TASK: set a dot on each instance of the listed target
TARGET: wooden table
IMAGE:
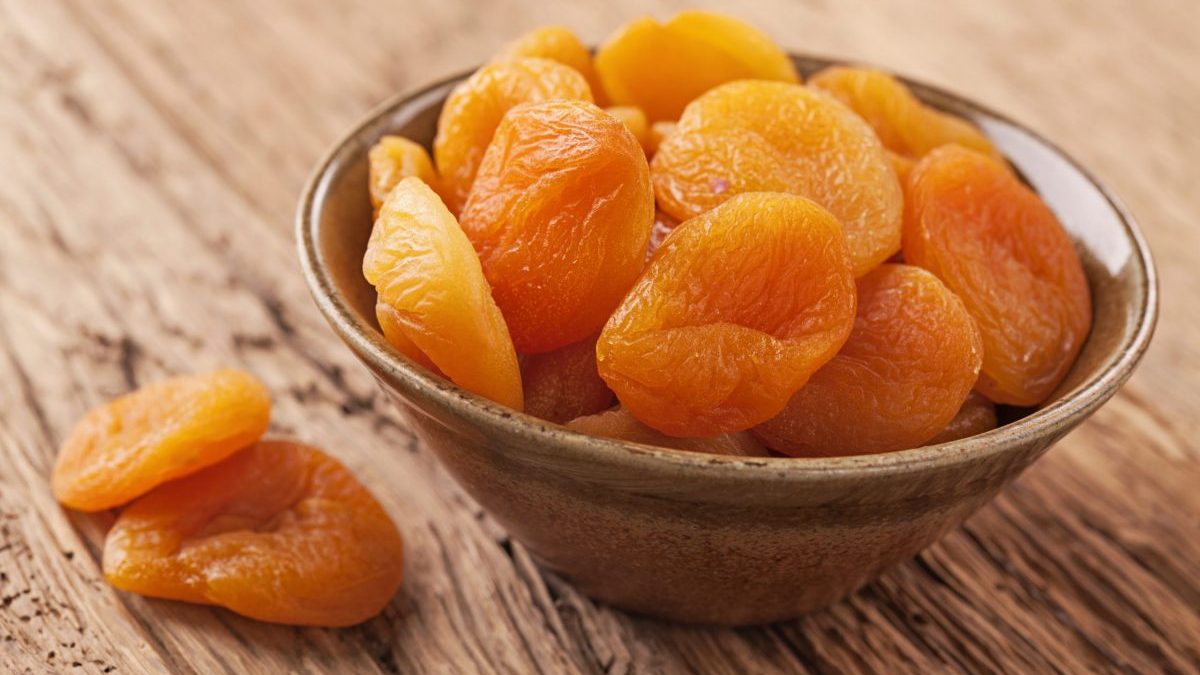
(151, 159)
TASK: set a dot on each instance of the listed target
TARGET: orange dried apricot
(734, 312)
(976, 416)
(162, 431)
(661, 67)
(560, 44)
(394, 158)
(903, 123)
(623, 426)
(997, 245)
(560, 215)
(423, 266)
(564, 384)
(474, 109)
(279, 532)
(778, 137)
(910, 362)
(635, 120)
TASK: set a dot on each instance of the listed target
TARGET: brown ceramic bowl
(714, 539)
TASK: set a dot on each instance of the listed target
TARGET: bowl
(714, 539)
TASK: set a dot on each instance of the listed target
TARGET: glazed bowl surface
(714, 539)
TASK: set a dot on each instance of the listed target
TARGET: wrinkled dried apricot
(903, 123)
(910, 362)
(394, 158)
(279, 532)
(778, 137)
(635, 120)
(474, 109)
(564, 384)
(560, 215)
(162, 431)
(623, 426)
(734, 312)
(423, 266)
(662, 67)
(997, 245)
(560, 44)
(976, 416)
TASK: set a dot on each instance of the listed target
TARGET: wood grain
(151, 156)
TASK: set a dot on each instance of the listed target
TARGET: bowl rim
(493, 419)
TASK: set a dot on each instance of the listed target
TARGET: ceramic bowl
(714, 539)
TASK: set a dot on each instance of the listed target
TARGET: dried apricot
(394, 158)
(423, 267)
(734, 312)
(474, 109)
(661, 67)
(162, 431)
(560, 44)
(779, 137)
(560, 215)
(635, 120)
(564, 384)
(976, 416)
(279, 532)
(996, 244)
(903, 123)
(623, 426)
(910, 362)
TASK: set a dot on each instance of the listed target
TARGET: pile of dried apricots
(213, 514)
(745, 262)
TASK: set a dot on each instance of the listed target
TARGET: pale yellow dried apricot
(423, 267)
(394, 158)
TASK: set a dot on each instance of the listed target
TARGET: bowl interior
(334, 224)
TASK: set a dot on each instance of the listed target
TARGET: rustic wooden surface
(151, 155)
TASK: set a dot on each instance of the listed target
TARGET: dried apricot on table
(997, 245)
(661, 67)
(560, 44)
(474, 109)
(910, 362)
(564, 384)
(394, 158)
(903, 123)
(279, 532)
(623, 426)
(560, 215)
(976, 416)
(734, 312)
(162, 431)
(423, 267)
(778, 137)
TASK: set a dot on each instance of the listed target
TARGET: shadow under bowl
(714, 539)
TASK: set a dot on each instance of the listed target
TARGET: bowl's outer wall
(719, 540)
